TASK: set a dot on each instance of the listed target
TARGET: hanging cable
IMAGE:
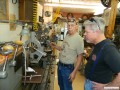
(14, 1)
(35, 25)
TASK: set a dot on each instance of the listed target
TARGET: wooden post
(113, 12)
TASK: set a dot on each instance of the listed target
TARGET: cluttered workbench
(27, 65)
(10, 69)
(17, 74)
(39, 77)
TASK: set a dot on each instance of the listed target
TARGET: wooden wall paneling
(21, 9)
(25, 10)
(29, 10)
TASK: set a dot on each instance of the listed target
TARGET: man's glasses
(93, 20)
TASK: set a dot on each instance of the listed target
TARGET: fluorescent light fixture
(74, 2)
(118, 5)
(99, 10)
(71, 5)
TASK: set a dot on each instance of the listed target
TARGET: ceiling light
(72, 5)
(99, 10)
(118, 5)
(74, 2)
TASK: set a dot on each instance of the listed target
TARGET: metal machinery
(38, 60)
(38, 56)
(10, 67)
(35, 48)
(31, 67)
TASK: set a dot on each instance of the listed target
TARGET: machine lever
(13, 62)
(3, 73)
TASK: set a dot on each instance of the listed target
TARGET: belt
(66, 65)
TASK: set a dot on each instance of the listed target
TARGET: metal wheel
(106, 3)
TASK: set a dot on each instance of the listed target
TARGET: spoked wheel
(106, 3)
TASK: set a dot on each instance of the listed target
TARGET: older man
(71, 49)
(104, 60)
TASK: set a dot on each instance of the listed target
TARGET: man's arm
(53, 45)
(78, 63)
(114, 84)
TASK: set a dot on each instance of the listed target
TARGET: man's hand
(72, 77)
(98, 86)
(52, 44)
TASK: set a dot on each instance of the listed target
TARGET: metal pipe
(4, 67)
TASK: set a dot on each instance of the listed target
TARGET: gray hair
(96, 23)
